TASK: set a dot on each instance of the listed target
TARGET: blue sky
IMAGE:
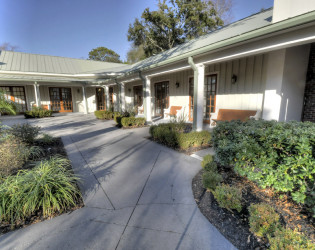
(71, 28)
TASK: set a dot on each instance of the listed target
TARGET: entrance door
(210, 90)
(111, 98)
(161, 98)
(60, 99)
(100, 99)
(138, 96)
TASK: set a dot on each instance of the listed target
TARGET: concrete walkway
(137, 194)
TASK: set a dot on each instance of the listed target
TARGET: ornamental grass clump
(263, 219)
(49, 187)
(228, 197)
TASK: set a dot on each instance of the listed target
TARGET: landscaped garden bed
(258, 190)
(180, 136)
(36, 178)
(38, 112)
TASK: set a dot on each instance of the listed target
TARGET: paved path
(137, 194)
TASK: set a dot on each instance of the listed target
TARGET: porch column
(147, 98)
(199, 82)
(106, 96)
(122, 97)
(37, 94)
(85, 105)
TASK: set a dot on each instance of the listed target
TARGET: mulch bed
(235, 226)
(49, 150)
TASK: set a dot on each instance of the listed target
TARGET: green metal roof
(25, 62)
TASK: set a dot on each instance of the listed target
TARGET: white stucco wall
(284, 9)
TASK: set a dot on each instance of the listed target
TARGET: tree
(104, 54)
(175, 22)
(8, 46)
(135, 54)
(5, 106)
(224, 10)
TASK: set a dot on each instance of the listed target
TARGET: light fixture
(177, 84)
(234, 79)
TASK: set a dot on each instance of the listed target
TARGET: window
(16, 95)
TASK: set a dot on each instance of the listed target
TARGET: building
(264, 62)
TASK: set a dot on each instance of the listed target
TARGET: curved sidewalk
(137, 194)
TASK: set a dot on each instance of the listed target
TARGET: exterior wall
(309, 96)
(129, 95)
(285, 83)
(245, 94)
(284, 9)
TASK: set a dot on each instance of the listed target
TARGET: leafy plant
(5, 105)
(47, 139)
(228, 197)
(273, 154)
(289, 239)
(132, 122)
(206, 159)
(25, 132)
(263, 219)
(38, 112)
(49, 187)
(211, 180)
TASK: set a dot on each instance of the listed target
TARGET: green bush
(25, 132)
(273, 154)
(263, 219)
(228, 197)
(104, 115)
(169, 134)
(289, 239)
(211, 180)
(132, 122)
(206, 159)
(47, 139)
(38, 112)
(50, 187)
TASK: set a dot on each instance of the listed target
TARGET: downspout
(195, 69)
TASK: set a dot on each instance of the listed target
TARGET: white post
(147, 96)
(85, 106)
(106, 97)
(122, 97)
(37, 94)
(199, 82)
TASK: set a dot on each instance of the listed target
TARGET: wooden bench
(172, 111)
(233, 114)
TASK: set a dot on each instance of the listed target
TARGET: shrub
(13, 155)
(289, 239)
(211, 180)
(25, 132)
(273, 154)
(38, 112)
(263, 219)
(132, 122)
(182, 140)
(49, 187)
(206, 159)
(47, 139)
(228, 197)
(104, 115)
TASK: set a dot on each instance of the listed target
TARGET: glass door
(16, 95)
(100, 99)
(210, 91)
(60, 99)
(161, 98)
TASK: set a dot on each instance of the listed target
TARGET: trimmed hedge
(132, 122)
(38, 113)
(273, 154)
(169, 135)
(104, 115)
